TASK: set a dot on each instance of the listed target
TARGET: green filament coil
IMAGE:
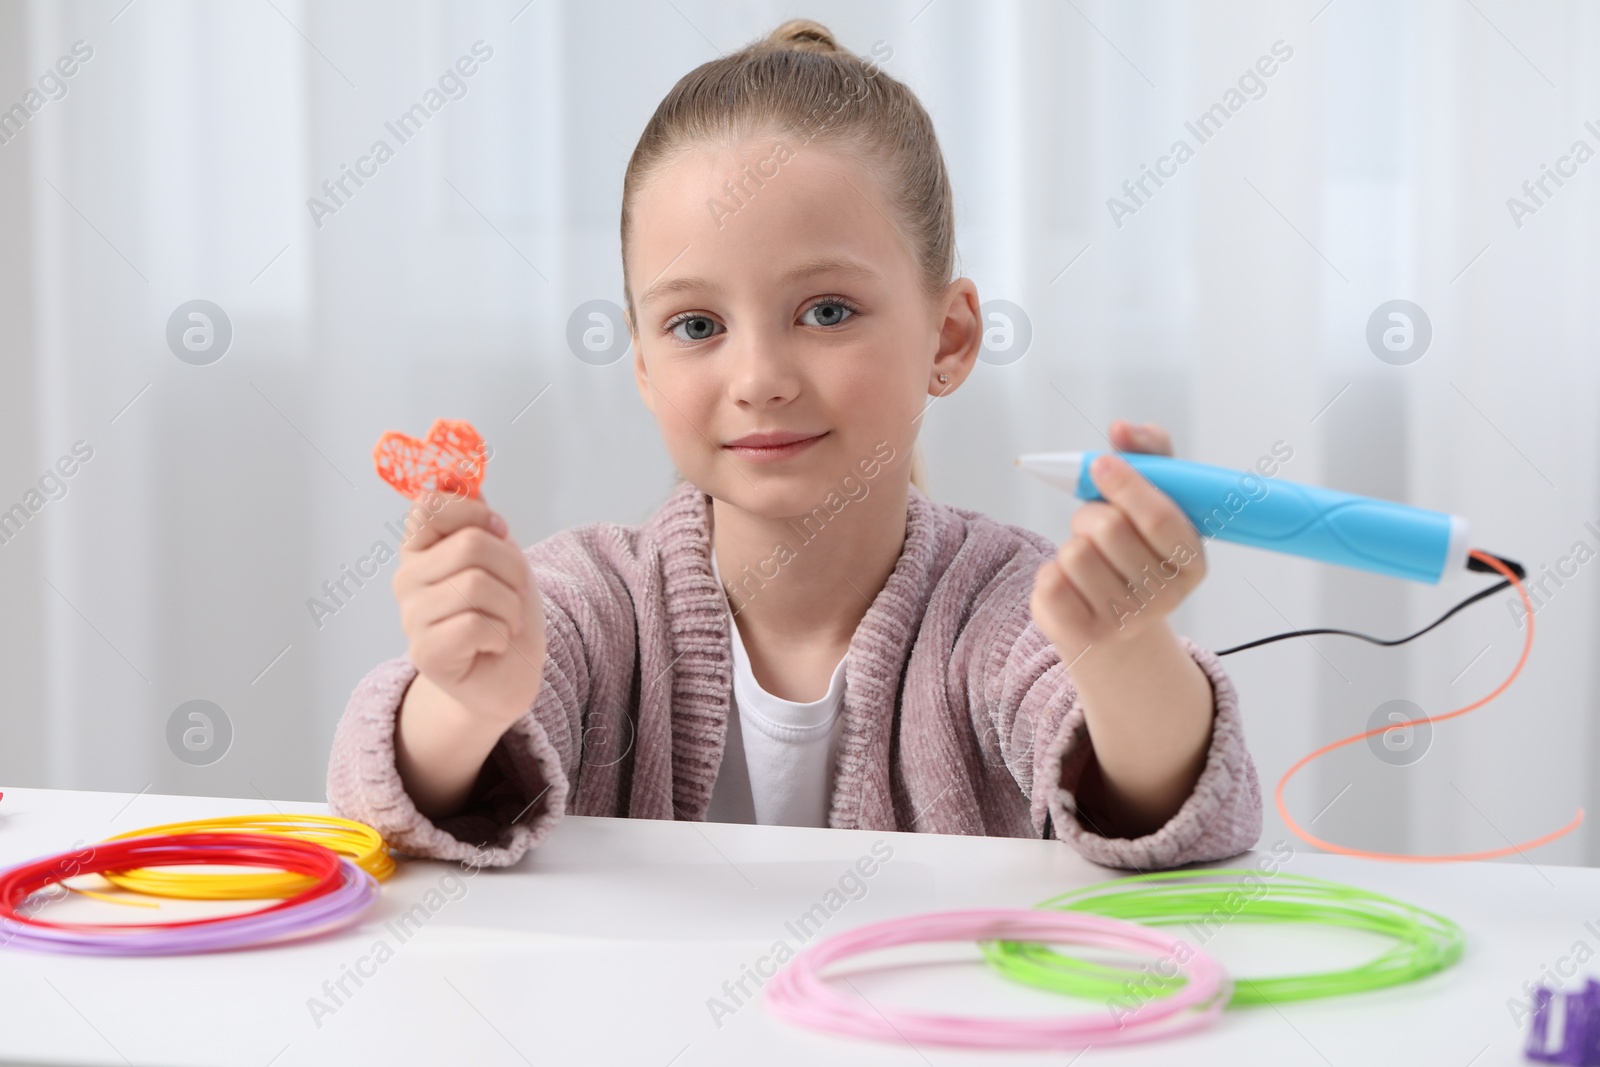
(1206, 900)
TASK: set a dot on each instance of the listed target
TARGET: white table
(605, 944)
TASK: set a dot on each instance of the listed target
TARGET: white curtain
(1230, 302)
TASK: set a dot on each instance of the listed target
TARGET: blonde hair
(798, 81)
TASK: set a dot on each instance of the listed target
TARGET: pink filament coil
(800, 994)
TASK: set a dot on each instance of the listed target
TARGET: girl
(799, 635)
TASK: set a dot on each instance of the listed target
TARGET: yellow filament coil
(360, 842)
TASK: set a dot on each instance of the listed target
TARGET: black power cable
(1473, 564)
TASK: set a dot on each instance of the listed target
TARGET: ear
(641, 375)
(960, 335)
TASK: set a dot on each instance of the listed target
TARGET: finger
(458, 639)
(470, 590)
(435, 516)
(1056, 600)
(1158, 519)
(1141, 437)
(1100, 584)
(470, 547)
(1124, 548)
(1155, 438)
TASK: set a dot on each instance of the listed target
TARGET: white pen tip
(1058, 468)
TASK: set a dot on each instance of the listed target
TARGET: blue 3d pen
(1321, 524)
(1302, 520)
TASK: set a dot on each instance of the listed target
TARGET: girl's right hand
(472, 612)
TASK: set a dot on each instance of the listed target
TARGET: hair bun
(803, 35)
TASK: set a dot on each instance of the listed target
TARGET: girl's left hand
(1131, 560)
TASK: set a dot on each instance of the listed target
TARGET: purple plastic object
(1580, 1041)
(323, 914)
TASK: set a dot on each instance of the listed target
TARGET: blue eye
(694, 328)
(827, 313)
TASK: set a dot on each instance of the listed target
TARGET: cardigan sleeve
(523, 788)
(1222, 816)
(1035, 716)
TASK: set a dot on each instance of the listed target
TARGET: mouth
(769, 447)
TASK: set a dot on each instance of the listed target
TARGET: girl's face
(793, 309)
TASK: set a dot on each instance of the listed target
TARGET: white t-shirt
(777, 764)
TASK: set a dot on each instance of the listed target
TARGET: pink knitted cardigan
(959, 716)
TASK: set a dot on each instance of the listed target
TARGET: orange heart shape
(452, 459)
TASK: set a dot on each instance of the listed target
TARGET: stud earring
(943, 378)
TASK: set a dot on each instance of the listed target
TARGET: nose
(760, 371)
